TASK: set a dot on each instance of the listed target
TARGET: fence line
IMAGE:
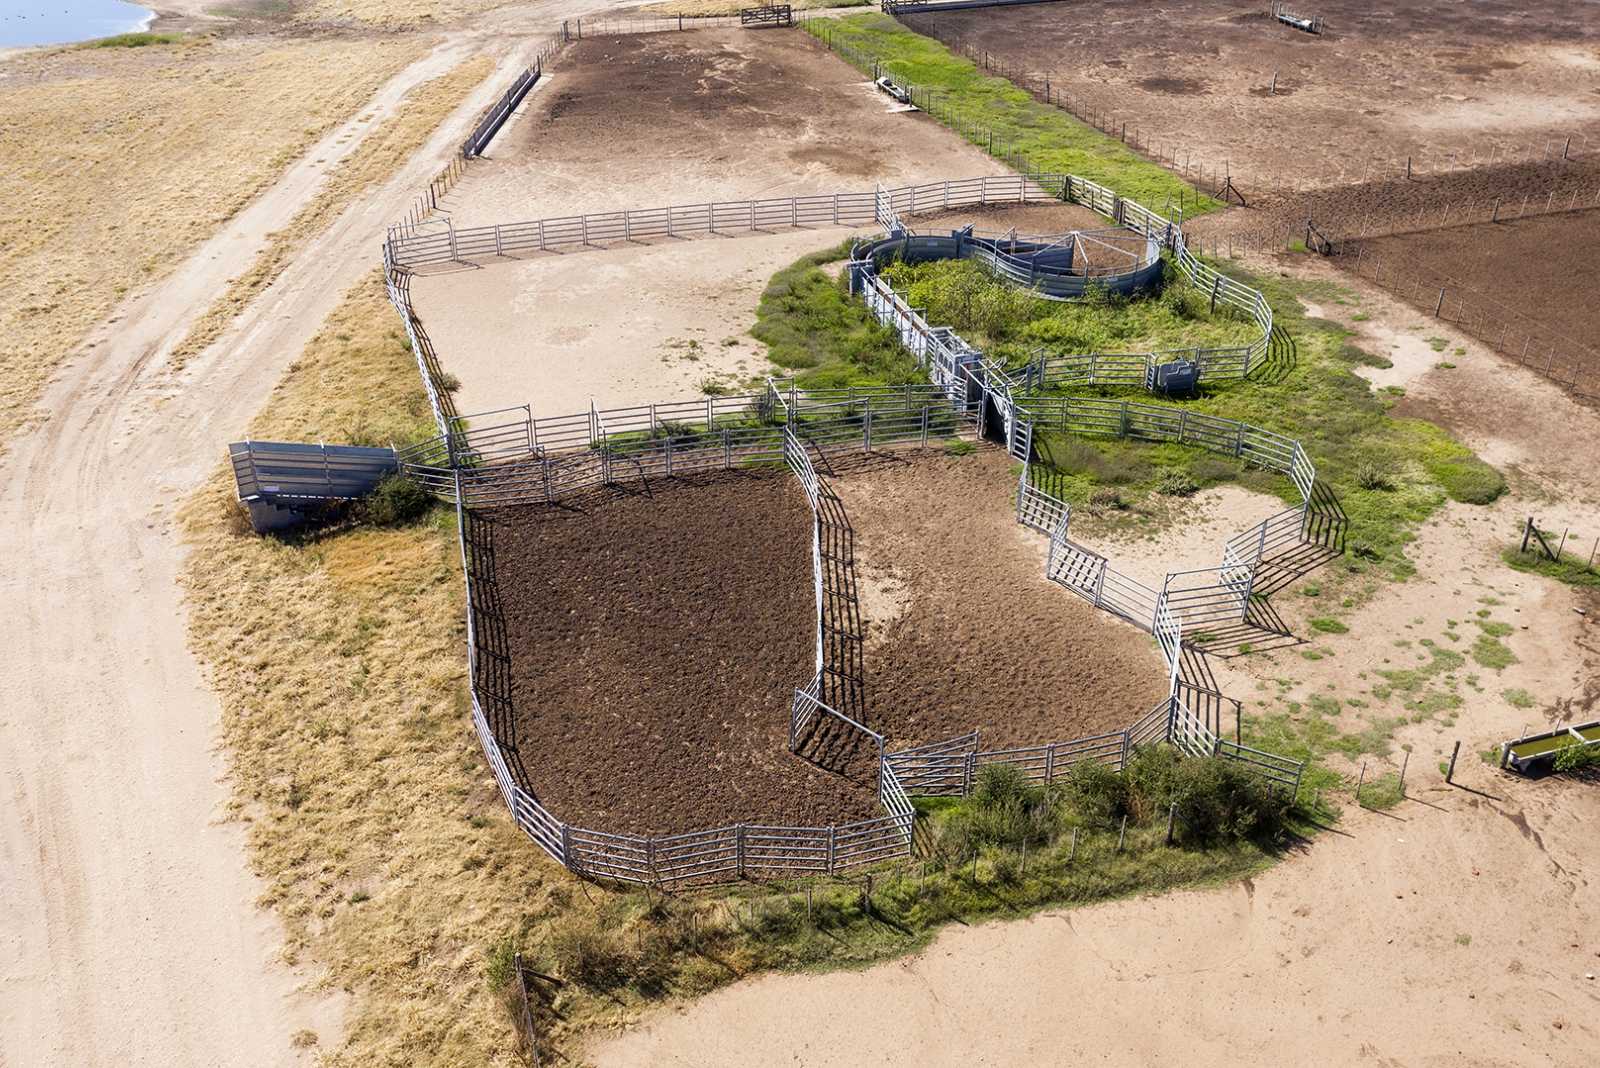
(409, 246)
(1563, 360)
(1170, 150)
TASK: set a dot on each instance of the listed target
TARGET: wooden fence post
(1449, 775)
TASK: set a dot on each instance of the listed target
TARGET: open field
(707, 115)
(1445, 82)
(88, 220)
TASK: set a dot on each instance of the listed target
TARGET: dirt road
(128, 933)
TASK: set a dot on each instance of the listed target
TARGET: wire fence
(1172, 149)
(1564, 360)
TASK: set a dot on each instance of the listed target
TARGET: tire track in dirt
(130, 934)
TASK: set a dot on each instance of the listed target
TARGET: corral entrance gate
(766, 15)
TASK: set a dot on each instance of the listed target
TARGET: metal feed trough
(1308, 23)
(1536, 753)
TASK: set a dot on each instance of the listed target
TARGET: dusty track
(130, 932)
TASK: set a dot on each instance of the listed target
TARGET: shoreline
(175, 17)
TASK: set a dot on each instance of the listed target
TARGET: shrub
(1095, 793)
(1578, 757)
(1175, 482)
(1004, 809)
(1370, 475)
(1469, 480)
(395, 501)
(1106, 500)
(1220, 799)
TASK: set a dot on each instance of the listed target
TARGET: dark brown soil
(962, 629)
(1526, 286)
(647, 120)
(1395, 203)
(1437, 79)
(655, 640)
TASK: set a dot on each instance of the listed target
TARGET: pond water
(39, 22)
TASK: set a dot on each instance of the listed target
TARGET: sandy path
(1402, 941)
(127, 932)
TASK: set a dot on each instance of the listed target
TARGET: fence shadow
(492, 666)
(1281, 358)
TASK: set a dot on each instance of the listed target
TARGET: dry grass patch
(380, 154)
(340, 665)
(404, 14)
(118, 162)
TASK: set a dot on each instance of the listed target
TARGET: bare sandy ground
(640, 323)
(1458, 930)
(621, 326)
(130, 935)
(708, 115)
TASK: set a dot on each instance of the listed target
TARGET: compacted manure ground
(1431, 79)
(656, 636)
(962, 630)
(647, 120)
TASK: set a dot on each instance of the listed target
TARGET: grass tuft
(133, 40)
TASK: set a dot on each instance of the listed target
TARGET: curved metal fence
(510, 457)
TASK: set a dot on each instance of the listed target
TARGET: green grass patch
(813, 328)
(1518, 698)
(1011, 325)
(970, 101)
(133, 40)
(1571, 571)
(1329, 626)
(1491, 652)
(1383, 792)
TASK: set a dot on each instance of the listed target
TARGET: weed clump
(1176, 483)
(396, 501)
